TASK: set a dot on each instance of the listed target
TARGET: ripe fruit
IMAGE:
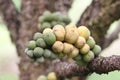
(47, 53)
(67, 48)
(42, 77)
(41, 43)
(37, 35)
(85, 49)
(38, 52)
(80, 42)
(91, 42)
(88, 57)
(31, 44)
(74, 53)
(57, 46)
(71, 35)
(96, 49)
(84, 32)
(30, 53)
(40, 60)
(52, 76)
(47, 30)
(59, 32)
(44, 26)
(49, 38)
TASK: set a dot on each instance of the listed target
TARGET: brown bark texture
(99, 16)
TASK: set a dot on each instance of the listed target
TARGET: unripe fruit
(44, 26)
(59, 32)
(47, 53)
(53, 56)
(84, 32)
(85, 49)
(61, 55)
(46, 13)
(57, 46)
(96, 49)
(41, 43)
(52, 76)
(80, 42)
(77, 58)
(49, 38)
(47, 30)
(88, 57)
(42, 77)
(56, 15)
(31, 44)
(38, 52)
(37, 35)
(66, 19)
(81, 62)
(48, 17)
(91, 42)
(53, 23)
(30, 53)
(71, 35)
(67, 48)
(74, 53)
(40, 60)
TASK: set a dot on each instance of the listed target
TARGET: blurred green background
(9, 59)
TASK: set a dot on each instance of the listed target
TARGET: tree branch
(99, 65)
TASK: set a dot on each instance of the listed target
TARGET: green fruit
(46, 13)
(37, 35)
(88, 57)
(57, 46)
(47, 53)
(41, 19)
(38, 52)
(91, 42)
(52, 76)
(66, 19)
(30, 53)
(53, 23)
(41, 43)
(42, 77)
(49, 38)
(48, 17)
(40, 60)
(85, 49)
(81, 62)
(79, 57)
(31, 44)
(44, 26)
(56, 15)
(53, 56)
(61, 54)
(96, 49)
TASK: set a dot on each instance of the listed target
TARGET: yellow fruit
(83, 31)
(71, 35)
(57, 46)
(47, 30)
(85, 49)
(52, 76)
(68, 48)
(80, 42)
(59, 32)
(74, 53)
(74, 78)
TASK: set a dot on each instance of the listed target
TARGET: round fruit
(85, 49)
(47, 30)
(41, 19)
(31, 44)
(96, 49)
(74, 53)
(41, 43)
(37, 35)
(46, 13)
(71, 35)
(68, 48)
(56, 15)
(80, 42)
(52, 76)
(42, 77)
(38, 52)
(53, 55)
(77, 58)
(81, 62)
(59, 32)
(30, 53)
(53, 23)
(88, 57)
(48, 17)
(57, 46)
(40, 60)
(91, 42)
(44, 26)
(47, 53)
(49, 38)
(84, 32)
(61, 54)
(66, 19)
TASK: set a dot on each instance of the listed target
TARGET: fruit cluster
(48, 20)
(74, 42)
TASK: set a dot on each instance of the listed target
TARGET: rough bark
(98, 17)
(99, 65)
